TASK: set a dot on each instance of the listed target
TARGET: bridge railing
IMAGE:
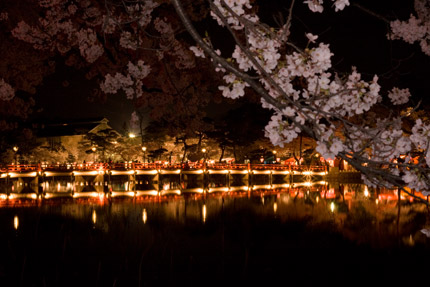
(21, 167)
(158, 166)
(313, 168)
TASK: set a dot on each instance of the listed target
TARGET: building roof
(71, 127)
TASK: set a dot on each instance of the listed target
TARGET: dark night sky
(67, 95)
(355, 38)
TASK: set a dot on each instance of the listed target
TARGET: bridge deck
(136, 166)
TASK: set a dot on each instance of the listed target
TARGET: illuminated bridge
(144, 179)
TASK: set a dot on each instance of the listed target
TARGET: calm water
(335, 234)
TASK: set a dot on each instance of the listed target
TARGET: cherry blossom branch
(248, 53)
(370, 12)
(371, 172)
(190, 28)
(290, 18)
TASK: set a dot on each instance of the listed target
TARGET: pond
(307, 235)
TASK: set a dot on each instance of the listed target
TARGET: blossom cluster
(4, 16)
(198, 52)
(235, 89)
(317, 5)
(89, 46)
(279, 131)
(171, 46)
(6, 91)
(131, 83)
(136, 12)
(129, 40)
(56, 31)
(421, 138)
(311, 62)
(415, 29)
(399, 96)
(238, 8)
(329, 145)
(141, 11)
(389, 142)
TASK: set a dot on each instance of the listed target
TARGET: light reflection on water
(245, 232)
(15, 222)
(348, 208)
(144, 216)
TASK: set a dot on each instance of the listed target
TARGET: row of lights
(131, 135)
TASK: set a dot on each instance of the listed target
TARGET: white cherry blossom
(399, 96)
(7, 93)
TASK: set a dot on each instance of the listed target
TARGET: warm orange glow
(94, 216)
(93, 172)
(204, 213)
(217, 171)
(332, 207)
(15, 222)
(178, 171)
(275, 207)
(154, 171)
(119, 172)
(222, 189)
(366, 191)
(237, 171)
(172, 191)
(329, 194)
(144, 216)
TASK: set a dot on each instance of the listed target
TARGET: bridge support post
(40, 179)
(291, 181)
(181, 180)
(36, 183)
(270, 178)
(157, 179)
(8, 189)
(106, 182)
(246, 178)
(205, 179)
(134, 180)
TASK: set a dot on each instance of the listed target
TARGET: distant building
(68, 134)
